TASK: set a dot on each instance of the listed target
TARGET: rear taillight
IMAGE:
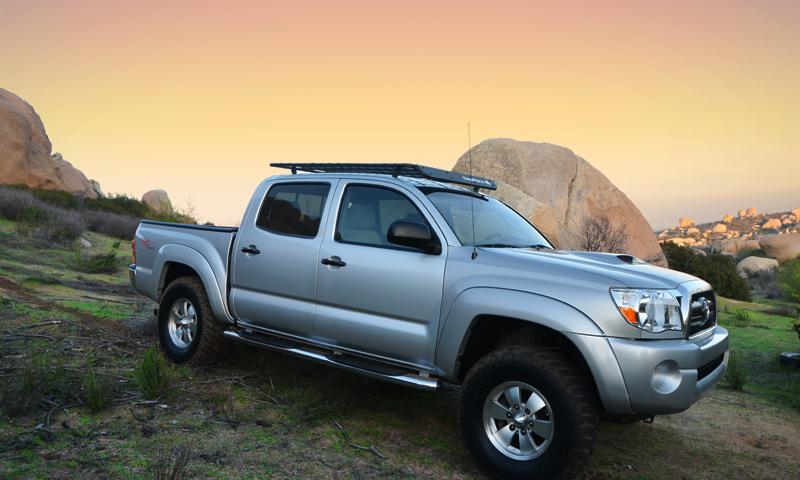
(133, 251)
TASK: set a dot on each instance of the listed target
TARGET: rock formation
(772, 224)
(25, 152)
(158, 201)
(685, 222)
(755, 264)
(557, 190)
(781, 247)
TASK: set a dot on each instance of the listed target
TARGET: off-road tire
(569, 395)
(209, 345)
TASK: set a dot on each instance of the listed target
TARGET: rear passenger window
(367, 213)
(293, 208)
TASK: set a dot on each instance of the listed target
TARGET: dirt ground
(263, 415)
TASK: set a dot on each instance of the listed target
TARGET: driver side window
(367, 212)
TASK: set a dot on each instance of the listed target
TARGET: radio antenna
(471, 200)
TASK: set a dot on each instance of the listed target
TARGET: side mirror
(414, 235)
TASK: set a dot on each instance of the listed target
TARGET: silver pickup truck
(411, 274)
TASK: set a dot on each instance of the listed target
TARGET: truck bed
(202, 247)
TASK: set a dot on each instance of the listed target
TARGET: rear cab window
(293, 208)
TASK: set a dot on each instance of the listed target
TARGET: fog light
(666, 377)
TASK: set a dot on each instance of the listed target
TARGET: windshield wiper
(538, 246)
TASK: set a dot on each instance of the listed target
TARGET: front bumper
(668, 376)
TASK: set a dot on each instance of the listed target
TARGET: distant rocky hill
(26, 157)
(558, 191)
(770, 235)
(26, 153)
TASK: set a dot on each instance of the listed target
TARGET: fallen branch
(56, 408)
(51, 322)
(371, 448)
(31, 335)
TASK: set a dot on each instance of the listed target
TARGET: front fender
(192, 258)
(548, 312)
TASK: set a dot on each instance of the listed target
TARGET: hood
(619, 269)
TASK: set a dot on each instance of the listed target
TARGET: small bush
(40, 377)
(153, 375)
(97, 389)
(789, 279)
(599, 235)
(741, 318)
(717, 269)
(37, 219)
(171, 464)
(97, 263)
(113, 224)
(735, 375)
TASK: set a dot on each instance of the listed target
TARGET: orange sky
(691, 108)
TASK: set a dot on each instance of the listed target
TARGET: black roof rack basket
(393, 169)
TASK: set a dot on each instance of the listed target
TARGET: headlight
(652, 310)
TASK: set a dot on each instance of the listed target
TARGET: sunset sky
(690, 107)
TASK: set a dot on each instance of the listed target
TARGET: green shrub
(170, 463)
(95, 263)
(153, 375)
(717, 269)
(97, 389)
(789, 279)
(741, 318)
(39, 377)
(735, 375)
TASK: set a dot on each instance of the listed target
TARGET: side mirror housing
(414, 235)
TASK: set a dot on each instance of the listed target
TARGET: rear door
(275, 259)
(385, 300)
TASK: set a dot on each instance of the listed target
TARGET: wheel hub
(182, 323)
(518, 420)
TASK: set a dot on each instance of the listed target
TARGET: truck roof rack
(393, 169)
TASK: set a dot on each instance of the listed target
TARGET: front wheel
(527, 413)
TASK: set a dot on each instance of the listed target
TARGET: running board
(349, 363)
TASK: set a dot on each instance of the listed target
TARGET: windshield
(496, 225)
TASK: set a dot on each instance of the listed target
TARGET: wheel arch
(175, 261)
(482, 319)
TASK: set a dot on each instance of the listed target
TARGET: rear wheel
(187, 329)
(527, 413)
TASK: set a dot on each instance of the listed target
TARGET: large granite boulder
(25, 152)
(158, 201)
(783, 247)
(558, 190)
(735, 245)
(751, 265)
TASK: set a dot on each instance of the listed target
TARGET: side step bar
(350, 363)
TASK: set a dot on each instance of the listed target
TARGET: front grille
(702, 312)
(709, 367)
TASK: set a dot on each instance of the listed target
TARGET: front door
(372, 296)
(275, 258)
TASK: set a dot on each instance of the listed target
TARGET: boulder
(783, 247)
(787, 221)
(720, 228)
(735, 245)
(84, 243)
(750, 265)
(796, 212)
(685, 222)
(752, 212)
(693, 231)
(771, 224)
(158, 201)
(742, 213)
(25, 152)
(557, 191)
(727, 218)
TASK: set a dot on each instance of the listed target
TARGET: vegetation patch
(153, 375)
(715, 268)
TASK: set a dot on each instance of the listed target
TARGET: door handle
(333, 261)
(251, 250)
